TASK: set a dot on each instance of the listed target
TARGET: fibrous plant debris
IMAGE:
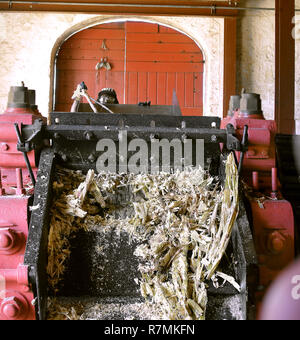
(183, 222)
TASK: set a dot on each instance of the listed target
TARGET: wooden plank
(142, 86)
(180, 88)
(159, 67)
(130, 7)
(114, 80)
(100, 80)
(96, 55)
(284, 67)
(132, 85)
(161, 88)
(152, 87)
(198, 90)
(189, 89)
(92, 33)
(94, 85)
(70, 79)
(158, 38)
(171, 86)
(161, 48)
(140, 27)
(229, 89)
(165, 29)
(79, 54)
(87, 65)
(93, 44)
(196, 57)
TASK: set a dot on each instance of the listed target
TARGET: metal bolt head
(214, 138)
(276, 242)
(91, 158)
(11, 307)
(89, 135)
(11, 310)
(5, 240)
(4, 147)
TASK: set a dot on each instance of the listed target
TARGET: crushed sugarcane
(183, 222)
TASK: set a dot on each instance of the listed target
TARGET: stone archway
(207, 33)
(143, 62)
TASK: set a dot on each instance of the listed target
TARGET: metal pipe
(19, 178)
(20, 141)
(61, 3)
(274, 180)
(255, 180)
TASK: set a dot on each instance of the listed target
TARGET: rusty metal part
(250, 106)
(234, 105)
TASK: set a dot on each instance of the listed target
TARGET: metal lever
(22, 148)
(244, 146)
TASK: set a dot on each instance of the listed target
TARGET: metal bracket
(233, 142)
(28, 145)
(244, 146)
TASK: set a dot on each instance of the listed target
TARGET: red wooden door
(148, 62)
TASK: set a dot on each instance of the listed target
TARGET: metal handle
(244, 146)
(21, 144)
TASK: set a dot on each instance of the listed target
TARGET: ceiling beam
(146, 7)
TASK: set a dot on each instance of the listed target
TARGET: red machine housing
(272, 216)
(16, 296)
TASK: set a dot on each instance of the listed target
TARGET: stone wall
(256, 55)
(29, 42)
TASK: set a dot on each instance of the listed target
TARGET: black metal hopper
(72, 139)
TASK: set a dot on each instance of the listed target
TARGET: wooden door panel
(171, 87)
(158, 61)
(141, 56)
(142, 86)
(198, 90)
(90, 44)
(141, 27)
(171, 60)
(152, 88)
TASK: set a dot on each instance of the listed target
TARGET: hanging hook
(103, 46)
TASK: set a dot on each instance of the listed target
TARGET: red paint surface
(148, 62)
(16, 294)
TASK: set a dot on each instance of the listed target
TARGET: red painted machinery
(16, 297)
(272, 216)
